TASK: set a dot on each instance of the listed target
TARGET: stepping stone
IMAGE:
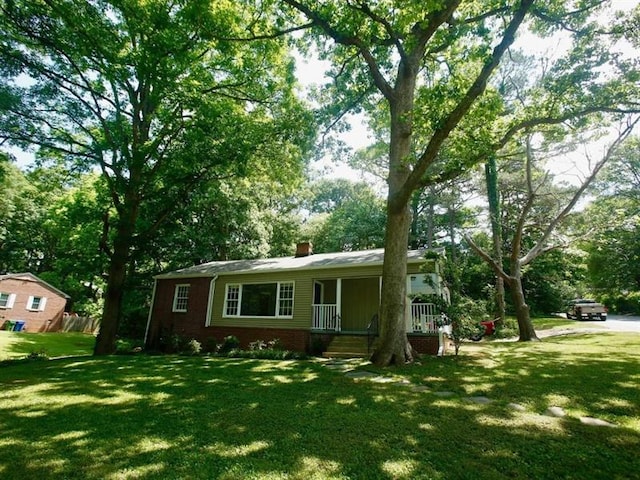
(556, 412)
(420, 388)
(383, 380)
(444, 394)
(596, 422)
(481, 400)
(360, 374)
(517, 407)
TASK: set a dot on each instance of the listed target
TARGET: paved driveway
(617, 323)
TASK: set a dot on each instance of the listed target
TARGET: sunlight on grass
(199, 417)
(315, 468)
(139, 472)
(151, 444)
(400, 468)
(224, 450)
(526, 421)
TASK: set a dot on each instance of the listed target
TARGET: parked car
(586, 309)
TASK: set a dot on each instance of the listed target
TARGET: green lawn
(197, 417)
(19, 344)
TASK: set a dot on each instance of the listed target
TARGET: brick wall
(50, 319)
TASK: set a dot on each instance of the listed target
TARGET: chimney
(304, 249)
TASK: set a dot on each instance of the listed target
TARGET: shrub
(229, 343)
(210, 345)
(38, 355)
(126, 346)
(508, 329)
(191, 347)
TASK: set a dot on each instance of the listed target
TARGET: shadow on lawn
(178, 417)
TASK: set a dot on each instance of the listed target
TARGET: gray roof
(283, 264)
(32, 278)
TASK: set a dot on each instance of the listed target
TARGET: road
(617, 323)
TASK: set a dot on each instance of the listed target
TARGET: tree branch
(453, 119)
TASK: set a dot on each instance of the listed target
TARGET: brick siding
(50, 319)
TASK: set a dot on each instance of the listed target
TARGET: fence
(72, 323)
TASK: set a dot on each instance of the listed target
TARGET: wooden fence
(72, 323)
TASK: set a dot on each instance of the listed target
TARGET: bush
(210, 345)
(465, 315)
(229, 343)
(508, 329)
(126, 346)
(266, 354)
(191, 347)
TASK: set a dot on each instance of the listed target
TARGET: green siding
(353, 294)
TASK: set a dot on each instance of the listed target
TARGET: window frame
(42, 303)
(235, 303)
(10, 300)
(179, 299)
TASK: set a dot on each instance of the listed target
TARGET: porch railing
(425, 318)
(325, 317)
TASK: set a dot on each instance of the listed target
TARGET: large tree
(427, 66)
(534, 226)
(153, 95)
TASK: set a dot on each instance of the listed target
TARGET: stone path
(348, 368)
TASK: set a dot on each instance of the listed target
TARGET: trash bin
(19, 326)
(9, 324)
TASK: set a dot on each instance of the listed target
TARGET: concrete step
(347, 346)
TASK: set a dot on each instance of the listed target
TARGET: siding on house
(25, 287)
(205, 317)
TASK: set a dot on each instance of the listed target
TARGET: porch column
(339, 301)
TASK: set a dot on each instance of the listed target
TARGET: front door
(360, 302)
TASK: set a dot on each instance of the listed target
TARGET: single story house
(28, 303)
(297, 299)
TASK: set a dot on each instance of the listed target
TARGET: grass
(19, 344)
(171, 417)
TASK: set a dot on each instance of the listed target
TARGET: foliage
(158, 97)
(612, 222)
(230, 342)
(350, 217)
(127, 346)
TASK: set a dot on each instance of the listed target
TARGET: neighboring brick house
(25, 297)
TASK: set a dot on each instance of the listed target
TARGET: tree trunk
(527, 333)
(117, 275)
(493, 195)
(394, 347)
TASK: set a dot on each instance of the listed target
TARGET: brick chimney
(304, 249)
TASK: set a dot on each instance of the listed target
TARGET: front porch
(421, 318)
(348, 306)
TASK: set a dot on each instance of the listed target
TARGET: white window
(259, 300)
(36, 304)
(181, 298)
(422, 283)
(7, 300)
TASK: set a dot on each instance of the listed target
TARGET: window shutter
(12, 299)
(30, 302)
(43, 303)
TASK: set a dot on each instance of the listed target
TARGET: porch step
(347, 346)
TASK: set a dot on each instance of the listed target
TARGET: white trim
(11, 298)
(178, 287)
(339, 297)
(42, 302)
(212, 289)
(240, 288)
(153, 301)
